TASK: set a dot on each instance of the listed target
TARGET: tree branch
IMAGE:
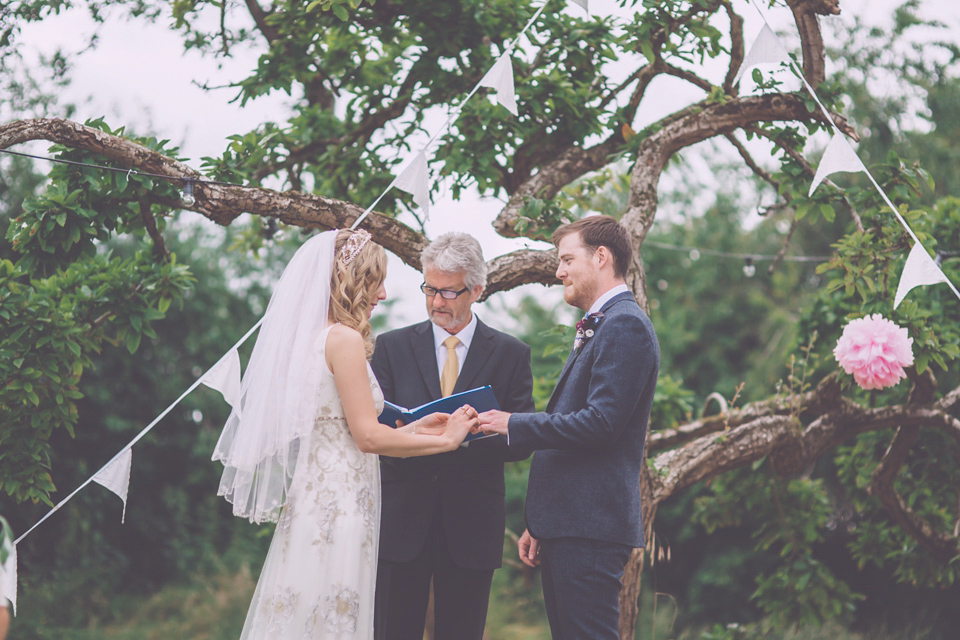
(748, 159)
(805, 14)
(736, 48)
(943, 546)
(689, 76)
(768, 429)
(360, 135)
(550, 179)
(524, 266)
(222, 203)
(150, 223)
(260, 19)
(808, 169)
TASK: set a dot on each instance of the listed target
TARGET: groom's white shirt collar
(602, 300)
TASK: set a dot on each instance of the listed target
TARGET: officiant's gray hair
(457, 252)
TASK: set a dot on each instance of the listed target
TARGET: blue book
(481, 399)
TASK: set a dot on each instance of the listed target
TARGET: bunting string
(415, 176)
(140, 435)
(841, 155)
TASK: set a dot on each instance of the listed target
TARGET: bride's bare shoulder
(342, 338)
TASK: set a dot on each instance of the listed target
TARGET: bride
(299, 448)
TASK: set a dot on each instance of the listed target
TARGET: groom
(443, 515)
(583, 498)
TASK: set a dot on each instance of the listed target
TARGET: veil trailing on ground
(261, 438)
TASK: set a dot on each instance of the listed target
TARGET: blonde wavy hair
(353, 286)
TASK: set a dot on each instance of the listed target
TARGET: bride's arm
(346, 357)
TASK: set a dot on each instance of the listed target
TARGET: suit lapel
(481, 348)
(563, 376)
(424, 350)
(626, 295)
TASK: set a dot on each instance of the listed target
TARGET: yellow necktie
(448, 379)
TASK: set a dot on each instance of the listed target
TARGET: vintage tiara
(353, 245)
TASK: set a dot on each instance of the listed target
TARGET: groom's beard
(580, 294)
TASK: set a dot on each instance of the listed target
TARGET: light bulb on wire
(188, 198)
(748, 267)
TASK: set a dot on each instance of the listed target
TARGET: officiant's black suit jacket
(584, 476)
(465, 485)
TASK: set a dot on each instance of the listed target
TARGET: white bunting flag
(919, 270)
(225, 378)
(415, 180)
(838, 156)
(116, 477)
(767, 48)
(500, 77)
(8, 576)
(582, 3)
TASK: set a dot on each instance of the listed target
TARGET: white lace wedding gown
(319, 577)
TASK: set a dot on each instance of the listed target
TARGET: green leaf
(132, 341)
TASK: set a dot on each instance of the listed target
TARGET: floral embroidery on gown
(319, 577)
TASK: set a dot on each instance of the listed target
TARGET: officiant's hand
(529, 548)
(494, 421)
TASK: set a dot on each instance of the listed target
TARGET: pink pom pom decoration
(875, 350)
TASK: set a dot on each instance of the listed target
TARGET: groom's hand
(529, 549)
(494, 421)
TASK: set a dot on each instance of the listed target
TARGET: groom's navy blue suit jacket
(584, 477)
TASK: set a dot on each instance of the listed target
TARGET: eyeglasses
(446, 294)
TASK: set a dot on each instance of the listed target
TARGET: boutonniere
(586, 328)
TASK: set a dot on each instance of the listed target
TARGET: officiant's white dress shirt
(465, 336)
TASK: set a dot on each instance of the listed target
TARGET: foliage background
(183, 567)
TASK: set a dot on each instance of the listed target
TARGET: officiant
(443, 517)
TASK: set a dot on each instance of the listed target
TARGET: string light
(748, 258)
(129, 172)
(749, 269)
(187, 198)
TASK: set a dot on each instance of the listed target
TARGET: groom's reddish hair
(600, 231)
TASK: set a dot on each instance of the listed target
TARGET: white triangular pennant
(500, 77)
(838, 156)
(8, 577)
(766, 48)
(224, 377)
(414, 179)
(116, 477)
(582, 3)
(919, 270)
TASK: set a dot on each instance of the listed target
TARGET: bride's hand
(461, 423)
(433, 424)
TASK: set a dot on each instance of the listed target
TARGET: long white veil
(261, 438)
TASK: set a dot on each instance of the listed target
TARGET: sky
(139, 75)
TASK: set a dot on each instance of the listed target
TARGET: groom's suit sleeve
(515, 396)
(622, 362)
